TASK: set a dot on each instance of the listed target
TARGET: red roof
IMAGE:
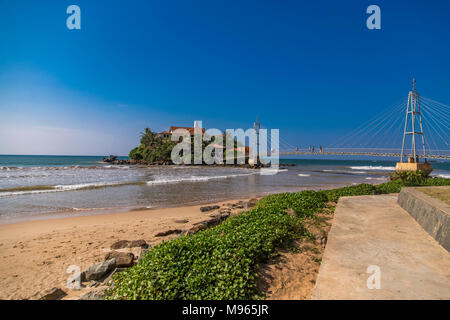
(191, 130)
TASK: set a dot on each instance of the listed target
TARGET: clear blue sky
(310, 68)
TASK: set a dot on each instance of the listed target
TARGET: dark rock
(219, 217)
(137, 244)
(197, 228)
(209, 208)
(120, 244)
(96, 294)
(128, 244)
(168, 232)
(123, 259)
(52, 294)
(110, 159)
(207, 223)
(98, 271)
(181, 221)
(114, 160)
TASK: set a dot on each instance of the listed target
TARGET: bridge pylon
(414, 118)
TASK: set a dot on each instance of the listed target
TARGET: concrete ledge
(376, 231)
(432, 214)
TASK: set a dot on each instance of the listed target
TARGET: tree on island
(155, 148)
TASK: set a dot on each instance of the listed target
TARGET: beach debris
(52, 294)
(123, 259)
(99, 270)
(121, 244)
(209, 208)
(169, 232)
(96, 294)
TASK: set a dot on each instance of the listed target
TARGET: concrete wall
(433, 215)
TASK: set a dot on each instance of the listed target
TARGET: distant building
(167, 134)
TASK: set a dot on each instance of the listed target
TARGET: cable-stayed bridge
(412, 129)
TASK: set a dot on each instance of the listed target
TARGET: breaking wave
(60, 188)
(379, 168)
(195, 179)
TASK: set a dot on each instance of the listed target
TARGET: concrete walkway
(374, 230)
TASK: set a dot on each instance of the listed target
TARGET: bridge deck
(373, 154)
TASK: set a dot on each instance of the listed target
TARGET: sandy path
(35, 255)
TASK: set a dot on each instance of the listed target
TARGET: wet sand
(36, 254)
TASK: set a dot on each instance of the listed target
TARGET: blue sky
(310, 68)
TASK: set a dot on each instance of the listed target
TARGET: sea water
(42, 187)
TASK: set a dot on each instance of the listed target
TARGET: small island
(156, 149)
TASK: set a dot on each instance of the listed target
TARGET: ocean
(43, 187)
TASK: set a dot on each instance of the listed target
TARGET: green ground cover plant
(221, 262)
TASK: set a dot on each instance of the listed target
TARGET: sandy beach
(36, 254)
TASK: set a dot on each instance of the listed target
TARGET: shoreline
(36, 254)
(86, 212)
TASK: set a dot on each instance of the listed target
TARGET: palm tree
(147, 138)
